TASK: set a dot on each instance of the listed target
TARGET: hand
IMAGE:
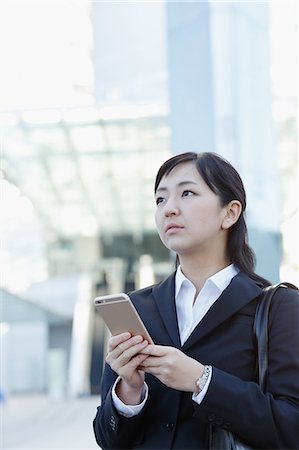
(124, 357)
(172, 367)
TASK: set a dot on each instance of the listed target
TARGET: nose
(171, 209)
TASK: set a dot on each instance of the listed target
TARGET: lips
(173, 227)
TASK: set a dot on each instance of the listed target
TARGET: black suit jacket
(234, 401)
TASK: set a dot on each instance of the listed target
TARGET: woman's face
(189, 216)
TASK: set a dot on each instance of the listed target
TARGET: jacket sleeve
(111, 429)
(270, 419)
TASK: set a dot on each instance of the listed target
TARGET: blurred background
(95, 96)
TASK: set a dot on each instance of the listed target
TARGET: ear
(232, 214)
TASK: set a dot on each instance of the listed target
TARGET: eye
(159, 200)
(187, 193)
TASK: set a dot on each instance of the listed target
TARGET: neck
(199, 271)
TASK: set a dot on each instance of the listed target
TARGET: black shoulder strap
(260, 329)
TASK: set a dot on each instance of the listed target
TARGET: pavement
(39, 423)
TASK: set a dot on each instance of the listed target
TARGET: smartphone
(120, 315)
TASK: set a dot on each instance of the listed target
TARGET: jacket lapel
(239, 292)
(164, 297)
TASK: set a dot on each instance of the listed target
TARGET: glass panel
(126, 166)
(93, 169)
(88, 138)
(63, 170)
(15, 144)
(122, 137)
(53, 140)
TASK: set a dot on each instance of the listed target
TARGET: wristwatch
(201, 381)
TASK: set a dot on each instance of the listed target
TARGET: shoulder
(144, 292)
(287, 292)
(285, 305)
(284, 292)
(242, 283)
(143, 297)
(155, 289)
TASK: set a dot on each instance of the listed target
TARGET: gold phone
(120, 315)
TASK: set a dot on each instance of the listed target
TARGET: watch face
(203, 379)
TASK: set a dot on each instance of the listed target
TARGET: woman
(200, 373)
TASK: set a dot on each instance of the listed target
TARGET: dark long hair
(223, 179)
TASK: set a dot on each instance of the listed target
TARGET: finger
(155, 371)
(127, 364)
(117, 360)
(153, 361)
(136, 362)
(130, 352)
(155, 350)
(124, 346)
(114, 341)
(114, 352)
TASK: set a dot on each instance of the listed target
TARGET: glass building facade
(96, 96)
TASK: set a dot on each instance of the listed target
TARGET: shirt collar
(220, 279)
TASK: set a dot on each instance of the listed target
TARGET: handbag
(221, 439)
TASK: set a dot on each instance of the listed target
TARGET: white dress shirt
(190, 311)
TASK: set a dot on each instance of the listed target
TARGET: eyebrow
(180, 184)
